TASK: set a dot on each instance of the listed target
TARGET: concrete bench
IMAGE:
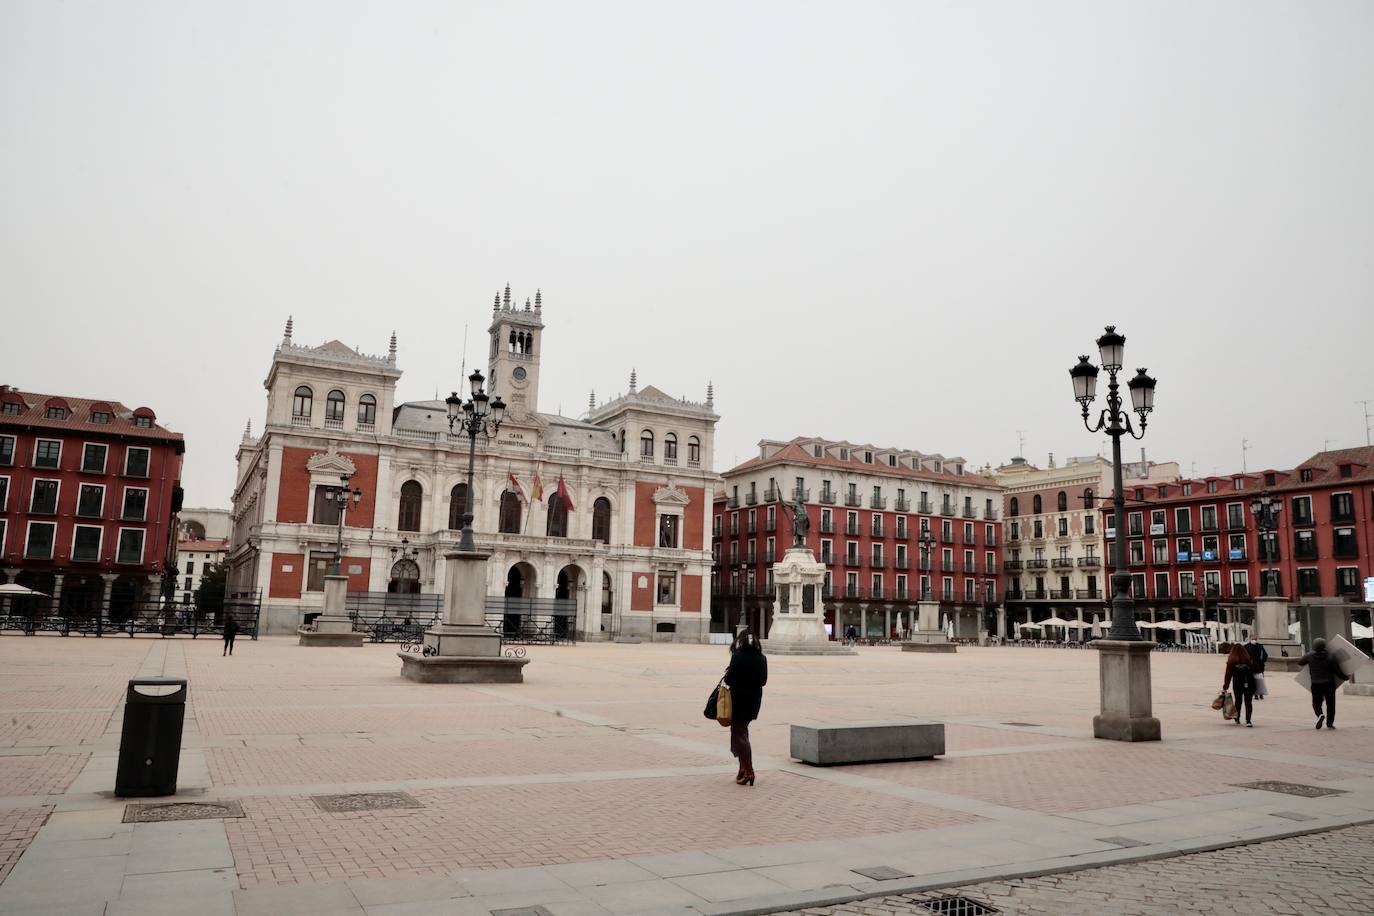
(867, 742)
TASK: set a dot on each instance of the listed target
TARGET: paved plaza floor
(597, 787)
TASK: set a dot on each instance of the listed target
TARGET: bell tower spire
(513, 359)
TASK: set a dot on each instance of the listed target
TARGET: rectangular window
(1135, 524)
(1185, 548)
(1304, 545)
(1160, 550)
(1157, 517)
(188, 585)
(1347, 580)
(135, 504)
(968, 590)
(1186, 588)
(1136, 549)
(326, 508)
(44, 501)
(668, 526)
(1342, 507)
(1344, 545)
(1209, 518)
(190, 567)
(317, 569)
(1089, 524)
(667, 588)
(4, 495)
(1183, 521)
(40, 539)
(47, 453)
(1309, 582)
(93, 458)
(1240, 583)
(90, 502)
(1063, 527)
(1235, 516)
(1235, 547)
(86, 544)
(1211, 580)
(1302, 510)
(1038, 529)
(136, 461)
(130, 545)
(6, 450)
(1161, 585)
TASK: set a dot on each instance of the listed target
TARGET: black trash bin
(150, 744)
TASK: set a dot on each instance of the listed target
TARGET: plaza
(598, 787)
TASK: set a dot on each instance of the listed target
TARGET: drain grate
(881, 873)
(365, 801)
(1289, 788)
(151, 812)
(958, 906)
(1023, 724)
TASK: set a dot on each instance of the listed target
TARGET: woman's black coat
(747, 674)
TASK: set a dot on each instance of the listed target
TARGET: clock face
(519, 373)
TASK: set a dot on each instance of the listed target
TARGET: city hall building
(605, 516)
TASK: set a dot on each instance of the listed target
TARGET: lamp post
(1124, 658)
(927, 541)
(1266, 510)
(1116, 423)
(341, 496)
(478, 416)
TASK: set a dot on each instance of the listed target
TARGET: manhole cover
(145, 813)
(1289, 788)
(1023, 724)
(365, 801)
(881, 873)
(958, 906)
(1124, 842)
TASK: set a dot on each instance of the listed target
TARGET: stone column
(1080, 620)
(887, 621)
(863, 621)
(57, 592)
(1002, 622)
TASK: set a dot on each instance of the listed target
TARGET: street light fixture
(1266, 509)
(1116, 423)
(341, 496)
(479, 416)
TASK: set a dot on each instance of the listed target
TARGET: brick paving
(39, 775)
(1314, 874)
(289, 839)
(327, 720)
(18, 827)
(45, 729)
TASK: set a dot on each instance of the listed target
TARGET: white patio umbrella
(1167, 625)
(1056, 622)
(15, 589)
(1030, 626)
(1360, 631)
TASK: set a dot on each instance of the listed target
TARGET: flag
(538, 492)
(563, 493)
(515, 486)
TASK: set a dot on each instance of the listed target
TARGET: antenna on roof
(463, 372)
(1021, 443)
(1367, 418)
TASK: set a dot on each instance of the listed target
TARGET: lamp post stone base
(462, 669)
(1271, 631)
(1127, 705)
(928, 636)
(333, 627)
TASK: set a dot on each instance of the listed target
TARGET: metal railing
(902, 504)
(1090, 561)
(73, 613)
(1037, 564)
(990, 514)
(970, 512)
(1014, 565)
(923, 507)
(1062, 562)
(877, 502)
(853, 500)
(827, 497)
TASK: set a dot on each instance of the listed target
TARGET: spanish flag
(516, 487)
(563, 493)
(538, 493)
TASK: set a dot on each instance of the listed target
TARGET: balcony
(751, 499)
(827, 497)
(947, 597)
(1136, 531)
(853, 560)
(1061, 594)
(1305, 553)
(1302, 518)
(902, 504)
(853, 501)
(1209, 524)
(901, 594)
(852, 530)
(1037, 535)
(924, 565)
(1137, 561)
(751, 559)
(946, 537)
(770, 556)
(990, 515)
(1089, 593)
(751, 527)
(1343, 517)
(970, 566)
(902, 533)
(1090, 562)
(1015, 595)
(877, 563)
(853, 591)
(1038, 595)
(969, 512)
(1014, 565)
(1235, 524)
(772, 494)
(734, 529)
(1345, 589)
(875, 592)
(1240, 590)
(827, 526)
(946, 566)
(1187, 591)
(715, 531)
(970, 537)
(877, 502)
(732, 502)
(1037, 564)
(827, 558)
(1014, 536)
(923, 507)
(1062, 563)
(1184, 528)
(901, 563)
(947, 509)
(991, 569)
(770, 524)
(876, 531)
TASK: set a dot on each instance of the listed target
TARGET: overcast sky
(889, 222)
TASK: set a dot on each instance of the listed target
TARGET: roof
(206, 546)
(78, 418)
(792, 453)
(1325, 467)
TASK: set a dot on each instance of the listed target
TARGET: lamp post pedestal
(928, 636)
(1127, 705)
(333, 627)
(465, 650)
(1271, 628)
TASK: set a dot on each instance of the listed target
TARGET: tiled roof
(79, 417)
(792, 453)
(205, 546)
(1325, 467)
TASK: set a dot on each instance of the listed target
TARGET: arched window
(601, 520)
(300, 405)
(558, 517)
(693, 450)
(1063, 501)
(1088, 499)
(510, 512)
(334, 406)
(646, 444)
(457, 505)
(408, 515)
(1015, 507)
(367, 410)
(670, 447)
(1036, 505)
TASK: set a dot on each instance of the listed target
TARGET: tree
(210, 592)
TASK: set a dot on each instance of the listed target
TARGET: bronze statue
(801, 522)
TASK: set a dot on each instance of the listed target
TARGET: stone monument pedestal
(798, 626)
(333, 627)
(928, 636)
(464, 649)
(1271, 629)
(1127, 703)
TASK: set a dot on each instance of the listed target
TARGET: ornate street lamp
(1266, 510)
(1116, 423)
(341, 496)
(927, 541)
(478, 416)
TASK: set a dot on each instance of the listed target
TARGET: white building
(194, 557)
(607, 513)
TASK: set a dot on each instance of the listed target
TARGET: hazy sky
(890, 222)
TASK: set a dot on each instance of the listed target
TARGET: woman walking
(1240, 674)
(745, 677)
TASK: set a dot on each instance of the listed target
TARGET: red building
(89, 491)
(1193, 545)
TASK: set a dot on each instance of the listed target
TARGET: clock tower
(513, 364)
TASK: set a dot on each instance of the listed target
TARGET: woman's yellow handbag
(724, 710)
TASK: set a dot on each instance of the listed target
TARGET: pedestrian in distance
(745, 677)
(1326, 676)
(1240, 676)
(231, 629)
(1258, 657)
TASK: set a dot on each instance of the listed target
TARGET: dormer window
(100, 416)
(818, 451)
(1271, 479)
(1347, 470)
(55, 413)
(1305, 475)
(1238, 483)
(1211, 486)
(143, 422)
(868, 457)
(1187, 489)
(844, 454)
(12, 409)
